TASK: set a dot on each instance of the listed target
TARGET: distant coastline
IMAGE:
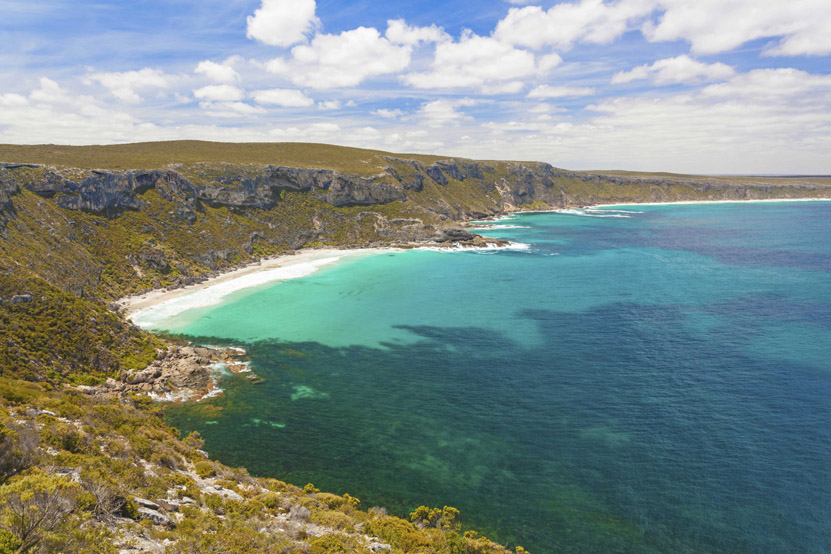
(683, 202)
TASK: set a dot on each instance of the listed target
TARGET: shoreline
(152, 306)
(287, 266)
(211, 291)
(684, 202)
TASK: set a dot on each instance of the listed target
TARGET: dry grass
(147, 155)
(782, 180)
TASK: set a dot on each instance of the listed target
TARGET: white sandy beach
(154, 306)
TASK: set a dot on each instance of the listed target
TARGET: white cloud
(771, 86)
(474, 61)
(125, 86)
(511, 87)
(12, 100)
(439, 113)
(51, 114)
(287, 98)
(388, 114)
(764, 121)
(548, 91)
(219, 72)
(49, 92)
(399, 32)
(329, 105)
(222, 93)
(681, 69)
(564, 24)
(712, 26)
(283, 22)
(342, 60)
(548, 62)
(230, 109)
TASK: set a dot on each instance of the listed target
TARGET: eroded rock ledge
(179, 374)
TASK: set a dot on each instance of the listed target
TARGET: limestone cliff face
(112, 192)
(108, 232)
(489, 187)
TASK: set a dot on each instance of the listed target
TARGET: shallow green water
(653, 382)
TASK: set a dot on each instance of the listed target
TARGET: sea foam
(588, 212)
(490, 247)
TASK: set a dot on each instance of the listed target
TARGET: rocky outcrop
(463, 170)
(8, 188)
(182, 373)
(155, 259)
(455, 237)
(411, 173)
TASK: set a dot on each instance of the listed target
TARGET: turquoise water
(659, 381)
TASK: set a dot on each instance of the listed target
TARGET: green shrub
(205, 469)
(337, 544)
(61, 435)
(214, 502)
(130, 510)
(398, 533)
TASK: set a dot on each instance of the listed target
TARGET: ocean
(626, 379)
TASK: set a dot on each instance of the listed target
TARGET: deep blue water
(657, 382)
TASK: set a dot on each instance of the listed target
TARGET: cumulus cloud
(219, 72)
(49, 113)
(399, 32)
(126, 86)
(549, 91)
(440, 113)
(342, 60)
(287, 98)
(222, 93)
(564, 24)
(681, 69)
(283, 22)
(474, 61)
(709, 26)
(712, 26)
(388, 114)
(49, 92)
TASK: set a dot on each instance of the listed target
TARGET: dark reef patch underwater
(658, 381)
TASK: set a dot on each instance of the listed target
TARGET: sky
(693, 86)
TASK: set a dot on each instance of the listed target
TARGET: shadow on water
(621, 432)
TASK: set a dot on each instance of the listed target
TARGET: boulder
(156, 517)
